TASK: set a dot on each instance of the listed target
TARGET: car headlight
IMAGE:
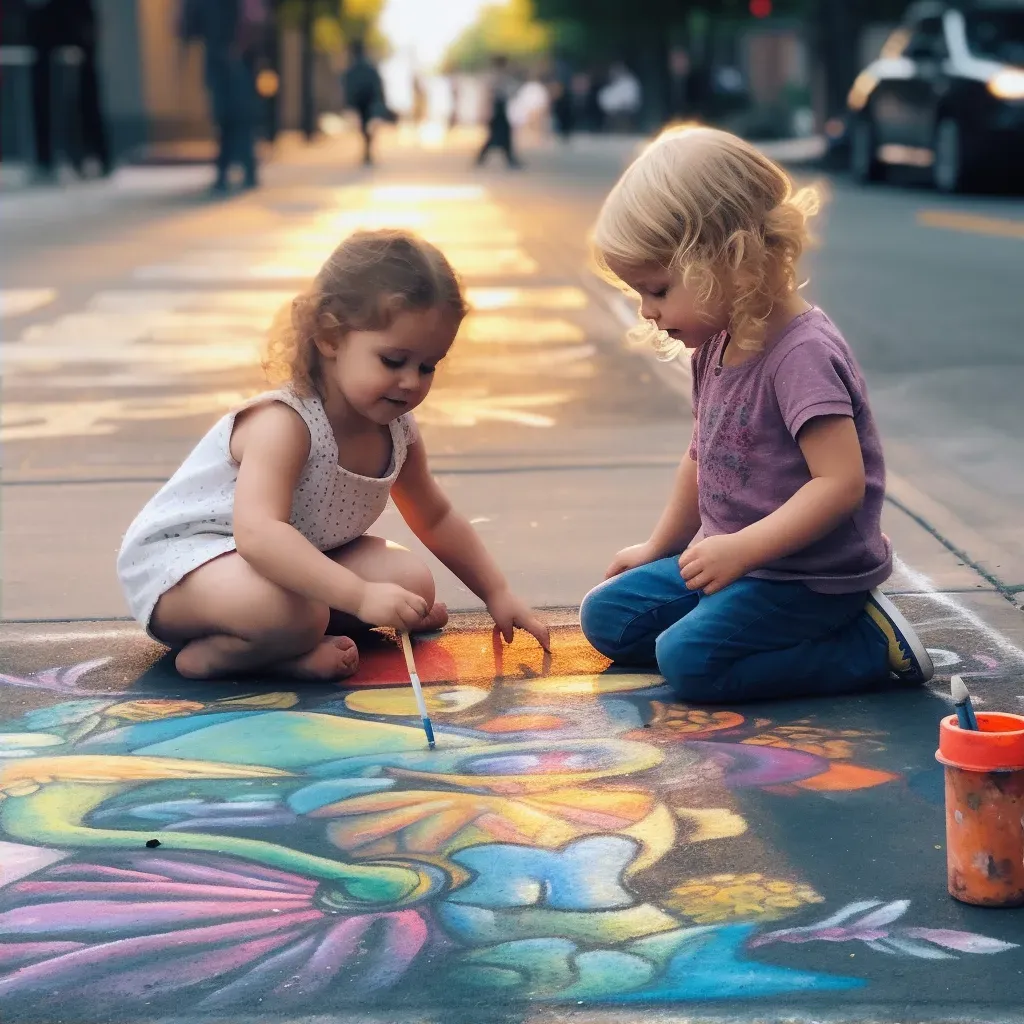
(1007, 85)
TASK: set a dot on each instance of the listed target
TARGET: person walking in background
(680, 102)
(620, 99)
(52, 25)
(562, 113)
(364, 93)
(502, 87)
(231, 32)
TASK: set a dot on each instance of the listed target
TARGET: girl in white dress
(241, 557)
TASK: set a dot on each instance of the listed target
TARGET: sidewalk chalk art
(575, 838)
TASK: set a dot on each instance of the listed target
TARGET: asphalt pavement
(131, 315)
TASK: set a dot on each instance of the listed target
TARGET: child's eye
(392, 364)
(659, 294)
(428, 370)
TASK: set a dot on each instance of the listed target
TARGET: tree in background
(509, 29)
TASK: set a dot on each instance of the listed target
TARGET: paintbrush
(417, 689)
(962, 702)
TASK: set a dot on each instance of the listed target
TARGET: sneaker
(908, 660)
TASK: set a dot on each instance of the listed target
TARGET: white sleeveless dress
(190, 520)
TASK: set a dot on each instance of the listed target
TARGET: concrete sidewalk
(579, 847)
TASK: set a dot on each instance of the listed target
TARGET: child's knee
(412, 574)
(685, 668)
(600, 624)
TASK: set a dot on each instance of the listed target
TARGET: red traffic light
(761, 8)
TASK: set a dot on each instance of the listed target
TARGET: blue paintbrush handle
(429, 730)
(971, 717)
(963, 717)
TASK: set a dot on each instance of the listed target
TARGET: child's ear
(329, 335)
(327, 343)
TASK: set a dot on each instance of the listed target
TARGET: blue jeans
(754, 640)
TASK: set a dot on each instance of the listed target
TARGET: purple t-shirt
(748, 460)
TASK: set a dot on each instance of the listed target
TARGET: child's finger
(537, 629)
(691, 569)
(699, 581)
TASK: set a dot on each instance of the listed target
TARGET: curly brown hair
(370, 279)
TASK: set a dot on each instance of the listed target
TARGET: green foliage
(509, 28)
(336, 22)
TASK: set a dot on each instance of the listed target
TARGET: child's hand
(508, 611)
(630, 558)
(715, 562)
(387, 604)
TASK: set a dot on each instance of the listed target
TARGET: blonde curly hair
(370, 278)
(715, 209)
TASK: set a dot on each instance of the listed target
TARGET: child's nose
(648, 309)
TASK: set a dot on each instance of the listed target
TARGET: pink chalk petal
(963, 942)
(17, 954)
(102, 918)
(149, 892)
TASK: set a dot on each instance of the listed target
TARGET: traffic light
(761, 8)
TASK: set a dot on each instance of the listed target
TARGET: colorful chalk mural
(575, 838)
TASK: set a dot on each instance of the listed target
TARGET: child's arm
(451, 538)
(677, 526)
(831, 448)
(271, 445)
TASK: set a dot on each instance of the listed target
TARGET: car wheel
(864, 163)
(950, 164)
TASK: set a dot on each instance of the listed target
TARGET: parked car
(946, 94)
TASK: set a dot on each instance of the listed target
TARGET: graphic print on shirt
(726, 441)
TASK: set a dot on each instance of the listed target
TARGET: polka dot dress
(189, 521)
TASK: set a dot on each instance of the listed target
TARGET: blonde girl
(760, 578)
(241, 558)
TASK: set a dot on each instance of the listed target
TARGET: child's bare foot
(335, 657)
(212, 656)
(436, 618)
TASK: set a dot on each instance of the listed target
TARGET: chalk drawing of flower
(718, 898)
(873, 928)
(691, 722)
(841, 744)
(143, 929)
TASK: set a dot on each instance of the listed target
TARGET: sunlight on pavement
(19, 301)
(472, 406)
(504, 330)
(525, 298)
(185, 340)
(31, 420)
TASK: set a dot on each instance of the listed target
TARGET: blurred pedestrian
(50, 26)
(232, 33)
(501, 88)
(562, 112)
(364, 93)
(680, 91)
(620, 99)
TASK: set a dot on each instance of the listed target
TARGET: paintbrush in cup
(417, 689)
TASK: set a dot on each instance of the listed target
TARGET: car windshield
(997, 35)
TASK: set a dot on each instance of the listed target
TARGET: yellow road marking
(972, 223)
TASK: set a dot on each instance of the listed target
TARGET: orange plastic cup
(984, 808)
